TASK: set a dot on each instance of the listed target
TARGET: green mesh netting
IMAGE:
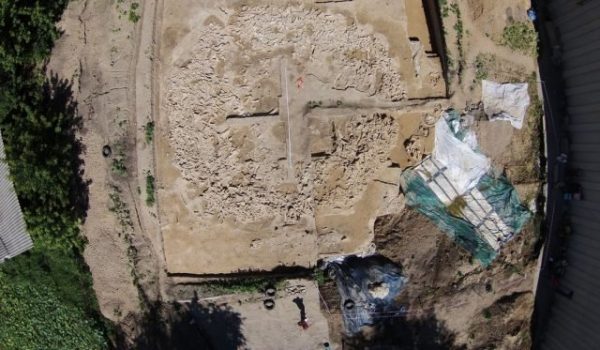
(498, 192)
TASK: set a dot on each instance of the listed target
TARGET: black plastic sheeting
(357, 280)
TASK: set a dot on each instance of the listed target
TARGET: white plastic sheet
(507, 102)
(463, 166)
(453, 172)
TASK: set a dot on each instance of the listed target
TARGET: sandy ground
(280, 136)
(483, 23)
(79, 55)
(241, 321)
(465, 305)
(278, 328)
(275, 129)
(102, 53)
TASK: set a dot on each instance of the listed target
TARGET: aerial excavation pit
(279, 128)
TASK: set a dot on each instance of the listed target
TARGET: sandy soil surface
(280, 134)
(275, 130)
(482, 25)
(452, 301)
(99, 52)
(278, 328)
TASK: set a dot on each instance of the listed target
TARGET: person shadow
(303, 320)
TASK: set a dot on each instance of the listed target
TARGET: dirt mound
(447, 285)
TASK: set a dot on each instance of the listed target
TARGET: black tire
(270, 291)
(269, 304)
(349, 304)
(106, 151)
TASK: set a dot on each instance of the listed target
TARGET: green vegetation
(450, 62)
(119, 207)
(123, 214)
(46, 295)
(242, 285)
(458, 27)
(520, 36)
(150, 199)
(487, 314)
(319, 276)
(481, 67)
(118, 165)
(444, 8)
(513, 269)
(119, 159)
(133, 15)
(29, 312)
(149, 131)
(533, 127)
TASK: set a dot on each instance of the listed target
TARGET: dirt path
(108, 56)
(97, 64)
(145, 110)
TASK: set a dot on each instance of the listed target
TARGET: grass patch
(149, 132)
(459, 29)
(487, 314)
(319, 276)
(150, 189)
(520, 36)
(242, 285)
(119, 207)
(123, 214)
(118, 162)
(481, 67)
(133, 16)
(445, 11)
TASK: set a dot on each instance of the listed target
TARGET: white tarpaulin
(462, 165)
(453, 172)
(505, 101)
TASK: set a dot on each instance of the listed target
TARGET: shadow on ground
(40, 127)
(426, 333)
(190, 326)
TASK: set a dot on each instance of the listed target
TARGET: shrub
(520, 36)
(150, 199)
(33, 316)
(149, 131)
(133, 15)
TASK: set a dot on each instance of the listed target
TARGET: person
(562, 158)
(304, 323)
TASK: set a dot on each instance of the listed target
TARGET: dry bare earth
(470, 306)
(274, 127)
(110, 61)
(98, 51)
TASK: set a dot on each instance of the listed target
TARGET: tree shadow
(40, 130)
(59, 101)
(190, 326)
(427, 333)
